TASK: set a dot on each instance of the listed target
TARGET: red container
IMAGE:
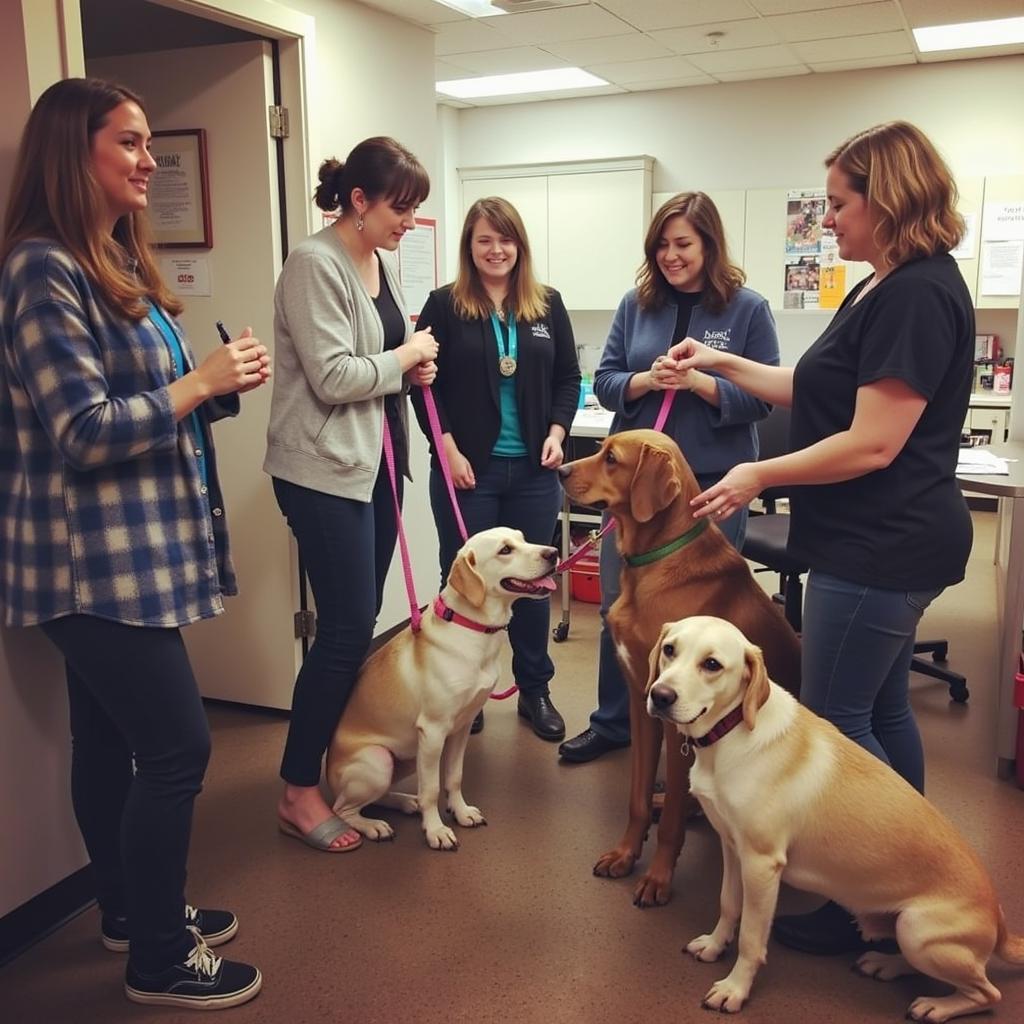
(586, 581)
(1018, 702)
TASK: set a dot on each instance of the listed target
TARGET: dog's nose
(565, 470)
(662, 696)
(551, 554)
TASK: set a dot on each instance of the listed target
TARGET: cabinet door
(596, 225)
(529, 195)
(990, 421)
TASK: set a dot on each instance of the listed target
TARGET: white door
(250, 654)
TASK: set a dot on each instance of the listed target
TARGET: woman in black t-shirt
(878, 403)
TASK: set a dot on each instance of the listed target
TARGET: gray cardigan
(330, 372)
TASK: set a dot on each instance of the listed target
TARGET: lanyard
(506, 357)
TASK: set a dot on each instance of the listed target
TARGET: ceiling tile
(446, 70)
(738, 35)
(884, 44)
(797, 6)
(624, 72)
(423, 12)
(670, 83)
(863, 62)
(540, 97)
(757, 73)
(608, 48)
(862, 20)
(952, 12)
(653, 14)
(467, 36)
(745, 60)
(507, 61)
(566, 24)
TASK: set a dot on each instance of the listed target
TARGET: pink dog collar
(442, 611)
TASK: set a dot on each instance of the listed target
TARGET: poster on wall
(179, 191)
(417, 264)
(805, 210)
(813, 277)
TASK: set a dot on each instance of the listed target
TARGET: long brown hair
(381, 167)
(722, 278)
(908, 185)
(527, 299)
(55, 195)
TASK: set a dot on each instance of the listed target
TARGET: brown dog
(794, 800)
(641, 477)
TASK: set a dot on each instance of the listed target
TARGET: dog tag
(506, 366)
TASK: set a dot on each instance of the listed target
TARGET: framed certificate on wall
(179, 190)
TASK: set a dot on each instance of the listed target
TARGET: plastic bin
(586, 580)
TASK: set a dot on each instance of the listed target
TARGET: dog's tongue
(547, 583)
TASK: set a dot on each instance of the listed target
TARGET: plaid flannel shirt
(102, 509)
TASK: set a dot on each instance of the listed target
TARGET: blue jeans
(611, 719)
(857, 645)
(523, 495)
(346, 547)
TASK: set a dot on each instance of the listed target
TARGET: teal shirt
(510, 438)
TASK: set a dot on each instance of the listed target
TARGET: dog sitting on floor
(794, 800)
(416, 697)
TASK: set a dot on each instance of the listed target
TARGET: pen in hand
(223, 332)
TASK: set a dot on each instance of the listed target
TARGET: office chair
(765, 543)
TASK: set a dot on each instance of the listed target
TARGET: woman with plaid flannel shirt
(112, 531)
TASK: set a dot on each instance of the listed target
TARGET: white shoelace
(202, 959)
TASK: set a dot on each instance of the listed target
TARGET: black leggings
(133, 699)
(346, 546)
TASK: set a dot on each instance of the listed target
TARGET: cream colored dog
(416, 697)
(793, 799)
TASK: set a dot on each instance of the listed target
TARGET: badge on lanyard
(506, 357)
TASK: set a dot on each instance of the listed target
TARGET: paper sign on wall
(1003, 222)
(417, 264)
(186, 275)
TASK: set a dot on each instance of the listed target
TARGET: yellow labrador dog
(416, 697)
(793, 799)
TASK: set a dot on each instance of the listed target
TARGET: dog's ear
(757, 685)
(654, 659)
(464, 579)
(655, 485)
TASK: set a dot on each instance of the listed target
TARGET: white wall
(763, 134)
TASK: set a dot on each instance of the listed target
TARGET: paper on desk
(979, 462)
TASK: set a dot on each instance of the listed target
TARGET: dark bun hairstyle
(381, 167)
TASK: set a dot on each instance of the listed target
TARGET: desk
(592, 423)
(1009, 560)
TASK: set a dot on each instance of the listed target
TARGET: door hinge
(278, 122)
(305, 624)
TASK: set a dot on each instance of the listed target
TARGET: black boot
(537, 708)
(827, 931)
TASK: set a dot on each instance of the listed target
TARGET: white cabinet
(994, 422)
(586, 221)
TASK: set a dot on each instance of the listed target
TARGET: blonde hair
(908, 186)
(54, 195)
(527, 299)
(722, 278)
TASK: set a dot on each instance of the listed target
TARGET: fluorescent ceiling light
(474, 8)
(999, 32)
(522, 82)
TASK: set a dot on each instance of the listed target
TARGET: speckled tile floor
(513, 927)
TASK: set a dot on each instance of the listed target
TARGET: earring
(359, 222)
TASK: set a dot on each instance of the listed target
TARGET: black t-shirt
(685, 301)
(905, 527)
(394, 334)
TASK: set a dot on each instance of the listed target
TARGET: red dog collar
(442, 611)
(720, 728)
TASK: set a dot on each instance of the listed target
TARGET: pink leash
(595, 535)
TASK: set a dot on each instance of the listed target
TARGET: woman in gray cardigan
(344, 359)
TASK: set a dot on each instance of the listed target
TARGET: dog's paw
(615, 864)
(705, 948)
(441, 838)
(652, 891)
(468, 816)
(883, 966)
(725, 996)
(375, 828)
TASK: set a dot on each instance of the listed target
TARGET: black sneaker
(827, 931)
(203, 982)
(215, 926)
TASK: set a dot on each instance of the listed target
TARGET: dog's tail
(1009, 947)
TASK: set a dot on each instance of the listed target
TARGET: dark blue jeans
(524, 496)
(346, 546)
(133, 700)
(611, 719)
(855, 667)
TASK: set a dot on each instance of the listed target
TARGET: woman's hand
(690, 354)
(462, 471)
(734, 491)
(423, 374)
(239, 366)
(666, 376)
(551, 454)
(423, 345)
